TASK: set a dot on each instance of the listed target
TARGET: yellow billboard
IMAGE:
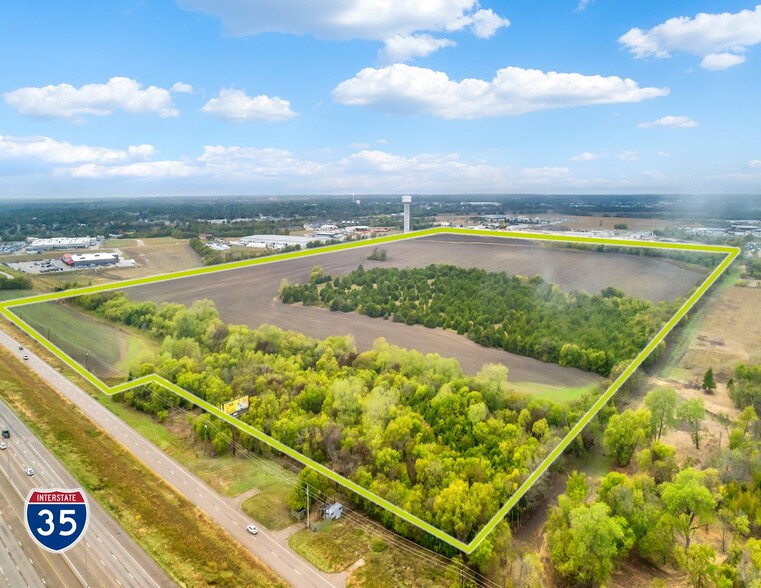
(236, 405)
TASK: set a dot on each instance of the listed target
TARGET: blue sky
(161, 97)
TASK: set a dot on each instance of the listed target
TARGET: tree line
(17, 283)
(523, 315)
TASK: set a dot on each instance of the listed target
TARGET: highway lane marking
(298, 572)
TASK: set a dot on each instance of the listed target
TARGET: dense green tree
(586, 550)
(661, 403)
(693, 412)
(689, 501)
(625, 432)
(749, 564)
(636, 500)
(709, 384)
(698, 562)
(659, 461)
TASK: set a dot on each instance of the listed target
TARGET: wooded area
(523, 315)
(659, 513)
(412, 428)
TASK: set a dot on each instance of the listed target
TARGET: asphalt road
(271, 551)
(104, 557)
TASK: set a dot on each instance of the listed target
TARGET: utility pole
(308, 525)
(205, 427)
(87, 356)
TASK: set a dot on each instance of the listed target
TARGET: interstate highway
(105, 557)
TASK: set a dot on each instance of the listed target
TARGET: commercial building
(89, 259)
(277, 241)
(57, 243)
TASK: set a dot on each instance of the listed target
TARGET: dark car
(6, 433)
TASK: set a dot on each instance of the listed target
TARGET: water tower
(406, 200)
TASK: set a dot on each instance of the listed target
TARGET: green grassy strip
(731, 254)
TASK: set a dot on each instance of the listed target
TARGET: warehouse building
(89, 259)
(57, 243)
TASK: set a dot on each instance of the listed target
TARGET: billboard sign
(236, 405)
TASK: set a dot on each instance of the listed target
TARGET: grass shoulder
(340, 545)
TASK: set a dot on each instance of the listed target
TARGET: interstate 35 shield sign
(56, 518)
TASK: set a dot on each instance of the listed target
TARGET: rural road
(104, 557)
(272, 552)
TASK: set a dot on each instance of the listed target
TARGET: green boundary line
(731, 253)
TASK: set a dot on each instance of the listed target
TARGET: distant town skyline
(135, 98)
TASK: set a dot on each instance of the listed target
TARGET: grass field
(12, 294)
(155, 256)
(340, 544)
(109, 351)
(120, 243)
(725, 312)
(554, 393)
(181, 538)
(270, 506)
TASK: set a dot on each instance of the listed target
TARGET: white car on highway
(29, 472)
(3, 445)
(253, 529)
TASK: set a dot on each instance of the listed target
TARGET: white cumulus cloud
(236, 105)
(49, 150)
(146, 169)
(485, 23)
(405, 89)
(401, 48)
(69, 102)
(719, 38)
(715, 61)
(670, 122)
(588, 156)
(629, 156)
(755, 163)
(349, 19)
(181, 88)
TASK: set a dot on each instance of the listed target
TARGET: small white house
(332, 511)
